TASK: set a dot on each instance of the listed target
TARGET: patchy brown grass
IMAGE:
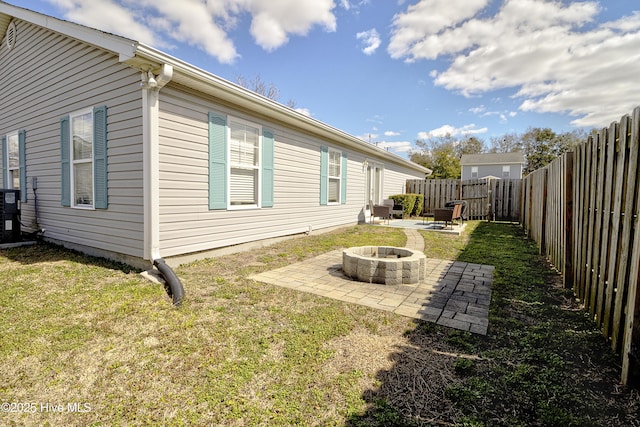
(75, 329)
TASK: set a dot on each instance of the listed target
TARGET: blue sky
(393, 71)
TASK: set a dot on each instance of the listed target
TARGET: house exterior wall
(45, 77)
(186, 222)
(491, 170)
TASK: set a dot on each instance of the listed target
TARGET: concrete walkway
(454, 294)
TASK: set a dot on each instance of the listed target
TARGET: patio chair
(426, 212)
(396, 207)
(447, 215)
(463, 212)
(380, 211)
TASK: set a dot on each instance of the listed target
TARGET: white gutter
(151, 86)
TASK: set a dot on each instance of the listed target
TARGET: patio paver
(454, 294)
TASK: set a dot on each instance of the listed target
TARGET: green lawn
(87, 342)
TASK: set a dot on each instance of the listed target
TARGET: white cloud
(371, 41)
(273, 21)
(304, 111)
(353, 5)
(202, 24)
(481, 111)
(411, 30)
(391, 133)
(445, 130)
(478, 110)
(369, 137)
(550, 52)
(109, 16)
(395, 147)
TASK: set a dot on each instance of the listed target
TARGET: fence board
(568, 276)
(627, 217)
(599, 156)
(578, 214)
(591, 167)
(581, 215)
(603, 282)
(631, 329)
(616, 216)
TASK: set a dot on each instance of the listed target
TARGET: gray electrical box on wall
(9, 216)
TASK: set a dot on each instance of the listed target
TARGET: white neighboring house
(492, 165)
(139, 155)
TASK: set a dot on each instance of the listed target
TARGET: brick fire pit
(384, 264)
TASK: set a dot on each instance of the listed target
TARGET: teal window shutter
(324, 174)
(100, 157)
(343, 180)
(3, 159)
(217, 161)
(65, 179)
(22, 164)
(267, 168)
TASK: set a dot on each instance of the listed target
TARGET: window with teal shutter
(241, 164)
(343, 193)
(324, 174)
(217, 161)
(3, 159)
(65, 195)
(13, 166)
(100, 157)
(332, 176)
(267, 168)
(83, 159)
(22, 162)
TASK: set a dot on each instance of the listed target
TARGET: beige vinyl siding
(187, 224)
(47, 76)
(395, 180)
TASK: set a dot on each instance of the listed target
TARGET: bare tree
(259, 86)
(507, 143)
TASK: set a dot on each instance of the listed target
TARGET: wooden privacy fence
(496, 199)
(583, 211)
(436, 192)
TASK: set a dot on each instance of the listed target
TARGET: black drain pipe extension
(174, 284)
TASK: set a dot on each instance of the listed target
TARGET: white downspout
(151, 86)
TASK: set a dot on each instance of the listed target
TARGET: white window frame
(506, 171)
(374, 181)
(73, 162)
(8, 176)
(474, 171)
(258, 168)
(338, 178)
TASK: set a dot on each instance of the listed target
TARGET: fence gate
(506, 199)
(496, 199)
(476, 193)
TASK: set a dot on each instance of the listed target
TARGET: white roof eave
(124, 47)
